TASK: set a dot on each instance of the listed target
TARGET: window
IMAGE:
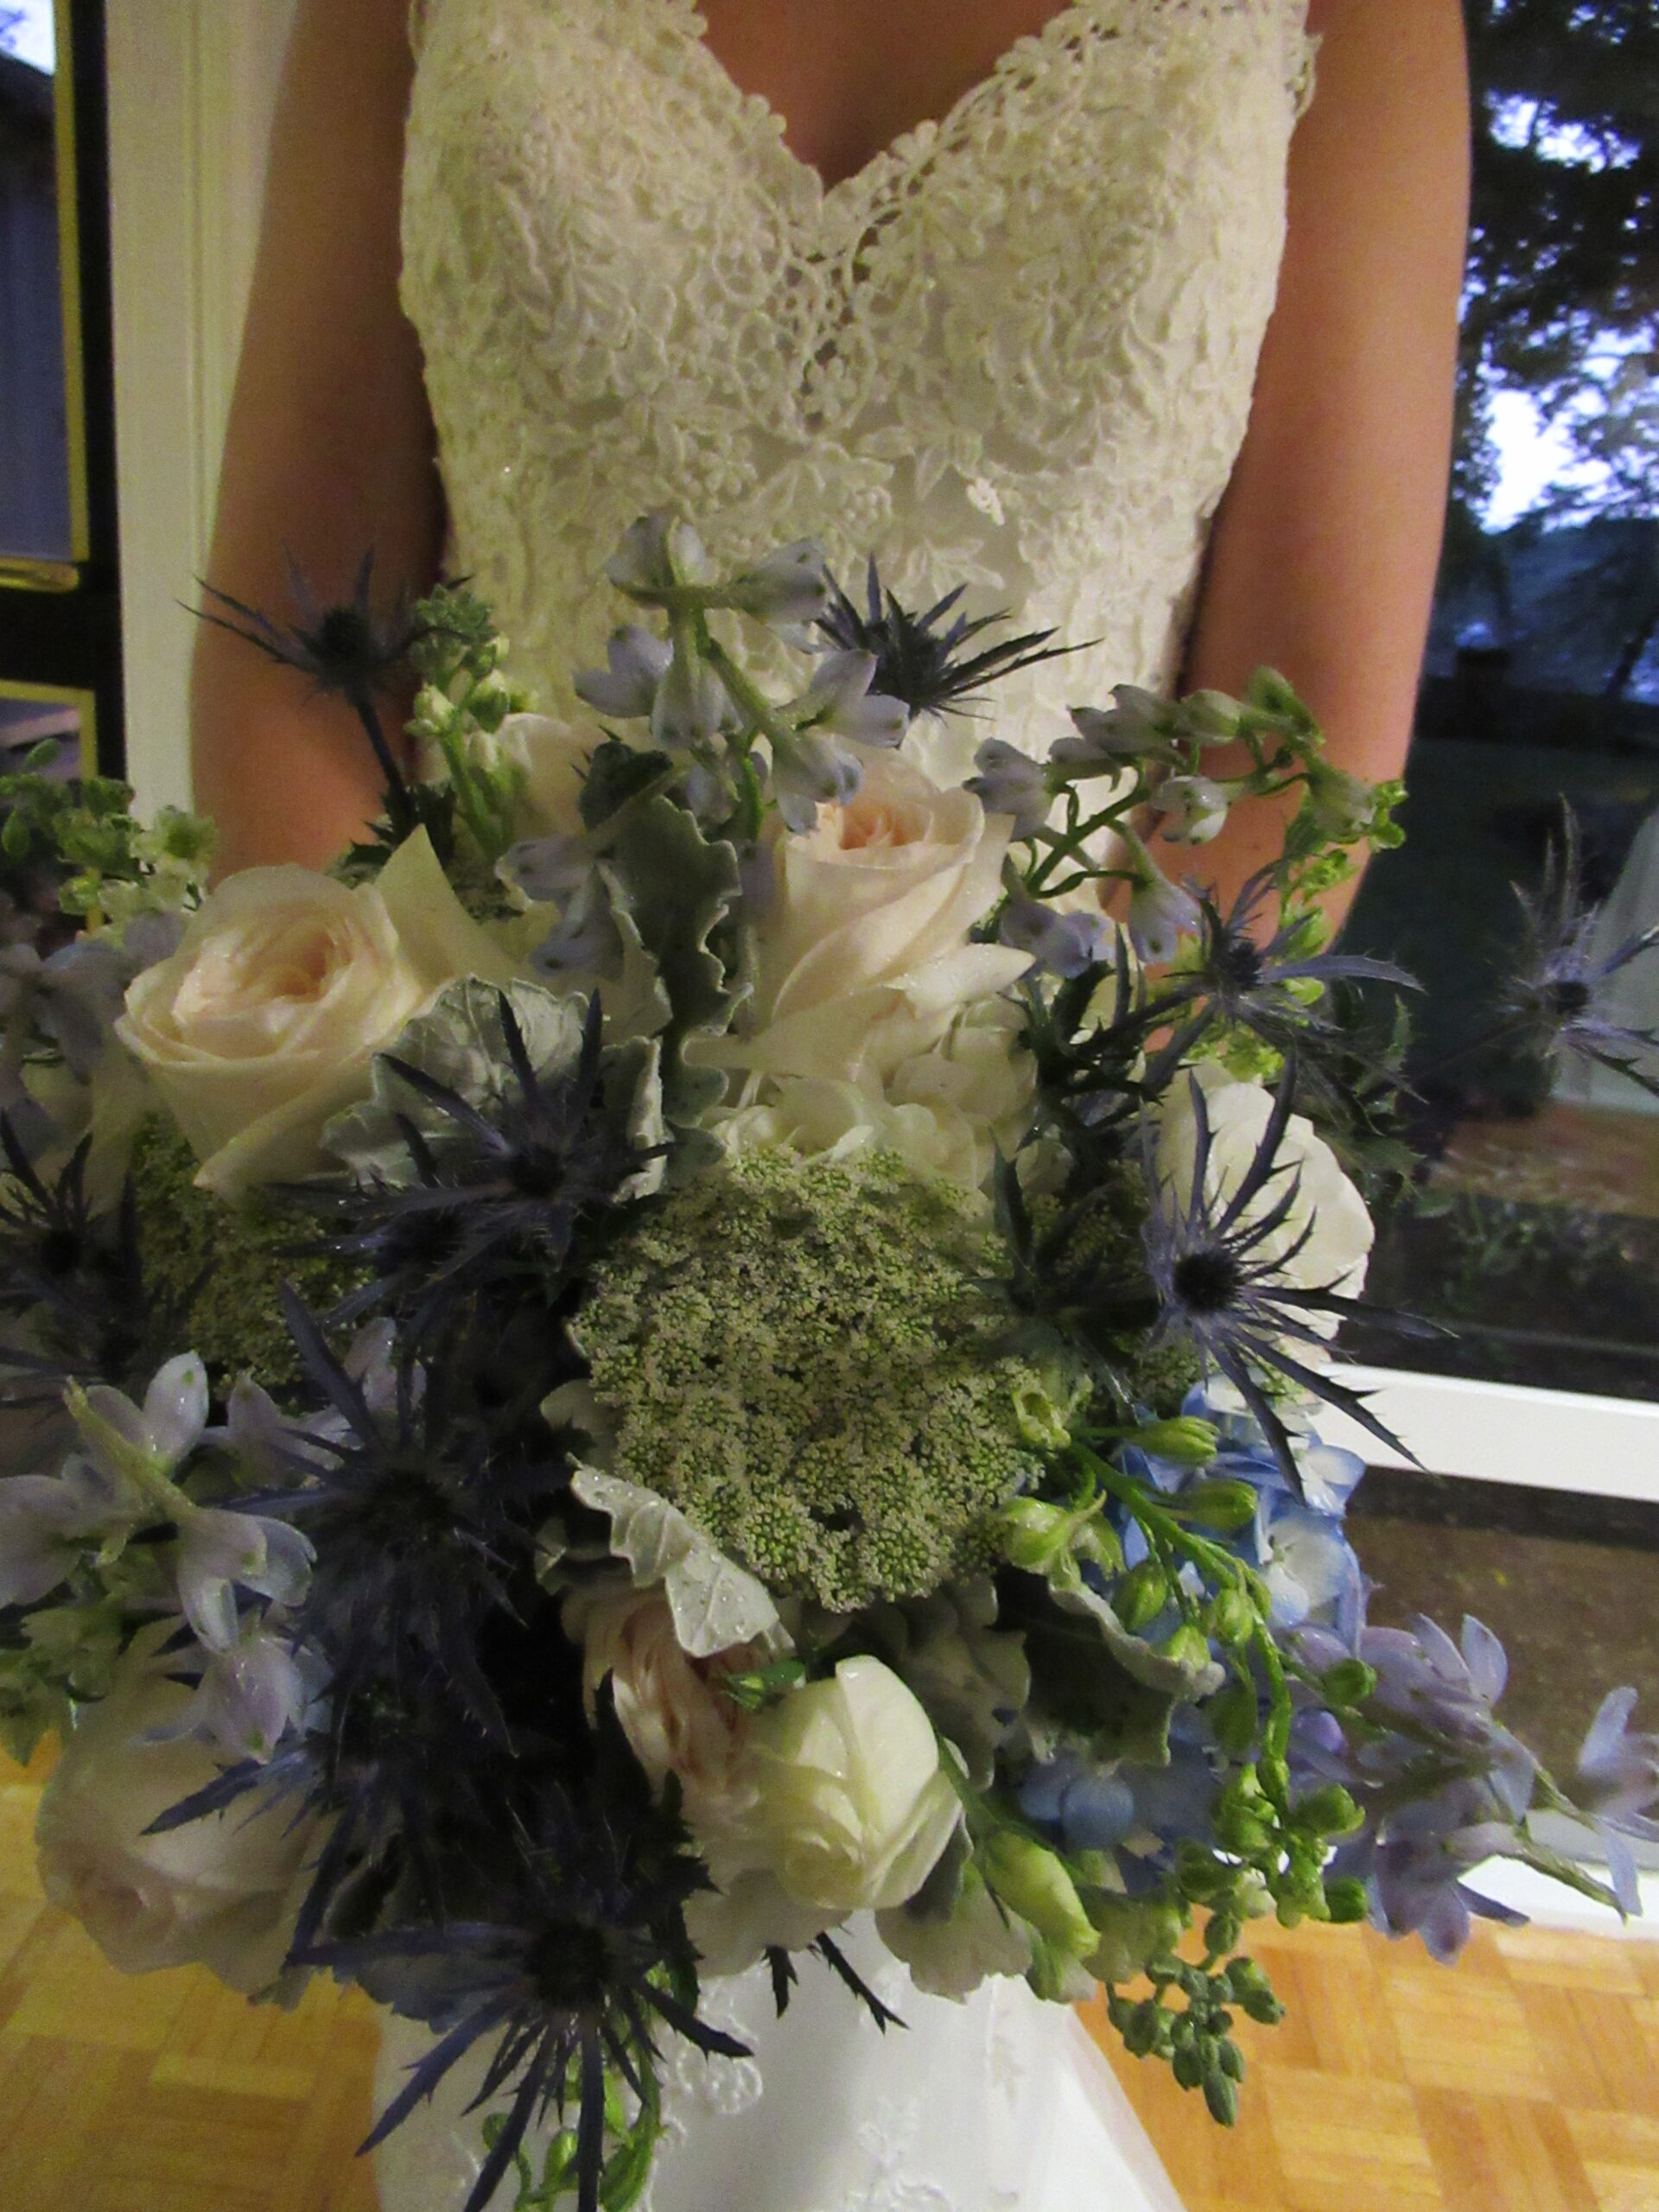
(59, 625)
(1536, 1234)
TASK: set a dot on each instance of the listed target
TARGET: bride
(1103, 308)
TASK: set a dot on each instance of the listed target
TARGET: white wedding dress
(1016, 350)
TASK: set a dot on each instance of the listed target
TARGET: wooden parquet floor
(1526, 2081)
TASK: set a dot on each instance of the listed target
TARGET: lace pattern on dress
(1016, 349)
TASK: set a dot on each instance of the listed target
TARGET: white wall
(192, 84)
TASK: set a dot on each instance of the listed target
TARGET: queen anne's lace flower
(798, 1354)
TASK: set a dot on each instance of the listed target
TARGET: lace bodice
(1016, 349)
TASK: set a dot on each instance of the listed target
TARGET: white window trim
(1504, 1433)
(191, 85)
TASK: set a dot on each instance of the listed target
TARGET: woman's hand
(1323, 558)
(331, 447)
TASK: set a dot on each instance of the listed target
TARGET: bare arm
(331, 447)
(1323, 558)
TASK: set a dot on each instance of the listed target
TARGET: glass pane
(34, 715)
(37, 520)
(1535, 1233)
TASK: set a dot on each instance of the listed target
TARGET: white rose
(676, 1721)
(865, 957)
(266, 1021)
(851, 1808)
(223, 1892)
(1325, 1240)
(552, 757)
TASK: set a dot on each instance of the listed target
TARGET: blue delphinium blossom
(1088, 1808)
(841, 701)
(1446, 1791)
(1620, 1774)
(1011, 782)
(1160, 912)
(1415, 1868)
(1296, 1543)
(120, 1484)
(626, 687)
(249, 1697)
(1066, 944)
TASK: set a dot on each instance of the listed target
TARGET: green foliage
(463, 701)
(107, 866)
(225, 1264)
(800, 1356)
(1563, 261)
(622, 2181)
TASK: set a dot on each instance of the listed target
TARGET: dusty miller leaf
(714, 1603)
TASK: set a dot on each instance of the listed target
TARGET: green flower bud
(1043, 1404)
(1034, 1535)
(1241, 1831)
(1201, 1875)
(1222, 1506)
(1184, 1441)
(1221, 2094)
(1130, 1933)
(1188, 1647)
(1346, 1901)
(1141, 1595)
(1329, 1812)
(1233, 1619)
(1350, 1682)
(1032, 1881)
(1210, 717)
(1140, 2030)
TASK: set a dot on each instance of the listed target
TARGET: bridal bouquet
(693, 1342)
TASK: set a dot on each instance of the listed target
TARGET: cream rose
(852, 1809)
(865, 959)
(1324, 1240)
(266, 1021)
(675, 1721)
(223, 1892)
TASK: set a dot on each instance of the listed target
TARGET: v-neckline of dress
(866, 179)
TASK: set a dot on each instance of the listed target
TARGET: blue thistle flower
(1218, 1266)
(923, 659)
(580, 1972)
(503, 1193)
(1556, 1001)
(80, 1276)
(347, 652)
(1242, 979)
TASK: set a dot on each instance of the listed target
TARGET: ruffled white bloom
(845, 1808)
(222, 1892)
(1325, 1240)
(865, 959)
(852, 1808)
(266, 1021)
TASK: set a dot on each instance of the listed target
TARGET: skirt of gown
(1001, 2104)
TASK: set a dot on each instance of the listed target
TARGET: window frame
(60, 632)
